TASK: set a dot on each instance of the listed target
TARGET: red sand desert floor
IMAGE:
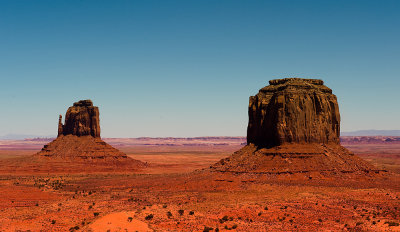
(170, 195)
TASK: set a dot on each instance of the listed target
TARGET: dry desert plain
(177, 192)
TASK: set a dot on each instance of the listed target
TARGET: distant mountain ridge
(22, 136)
(346, 133)
(372, 133)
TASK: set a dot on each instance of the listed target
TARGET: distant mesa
(294, 127)
(79, 139)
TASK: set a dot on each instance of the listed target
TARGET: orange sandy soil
(170, 196)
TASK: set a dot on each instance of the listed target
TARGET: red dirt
(182, 201)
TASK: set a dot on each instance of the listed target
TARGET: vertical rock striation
(294, 127)
(293, 110)
(79, 141)
(81, 119)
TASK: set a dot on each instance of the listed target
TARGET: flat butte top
(296, 84)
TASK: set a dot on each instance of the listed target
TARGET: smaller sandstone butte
(79, 139)
(294, 127)
(293, 110)
(81, 119)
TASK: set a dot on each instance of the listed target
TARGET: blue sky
(187, 68)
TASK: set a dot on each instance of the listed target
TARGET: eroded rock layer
(294, 127)
(82, 149)
(293, 110)
(293, 158)
(79, 140)
(81, 119)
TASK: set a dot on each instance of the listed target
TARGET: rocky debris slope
(294, 127)
(79, 139)
(293, 158)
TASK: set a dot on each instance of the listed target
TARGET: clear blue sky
(187, 68)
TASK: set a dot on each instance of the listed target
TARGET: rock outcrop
(79, 141)
(81, 119)
(294, 127)
(293, 110)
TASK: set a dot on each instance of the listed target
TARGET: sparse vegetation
(181, 211)
(390, 223)
(149, 217)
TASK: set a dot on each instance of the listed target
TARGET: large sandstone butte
(293, 110)
(79, 139)
(294, 127)
(81, 119)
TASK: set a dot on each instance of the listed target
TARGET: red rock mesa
(294, 126)
(79, 139)
(81, 119)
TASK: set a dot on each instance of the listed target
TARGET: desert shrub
(130, 219)
(191, 213)
(164, 206)
(149, 217)
(207, 229)
(234, 226)
(169, 214)
(74, 228)
(53, 221)
(320, 220)
(181, 211)
(96, 214)
(359, 223)
(259, 214)
(392, 223)
(266, 208)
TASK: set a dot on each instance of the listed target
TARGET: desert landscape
(203, 116)
(292, 178)
(179, 198)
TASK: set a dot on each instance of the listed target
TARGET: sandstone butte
(294, 127)
(79, 139)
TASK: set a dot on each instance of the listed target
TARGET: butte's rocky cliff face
(81, 119)
(293, 110)
(79, 139)
(294, 127)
